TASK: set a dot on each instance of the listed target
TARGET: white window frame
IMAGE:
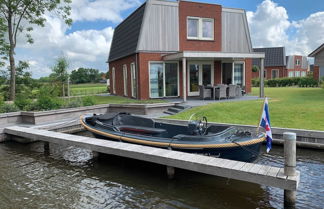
(292, 73)
(297, 73)
(149, 79)
(200, 63)
(238, 62)
(277, 73)
(113, 75)
(125, 79)
(200, 28)
(297, 62)
(133, 75)
(303, 74)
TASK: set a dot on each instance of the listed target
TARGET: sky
(296, 24)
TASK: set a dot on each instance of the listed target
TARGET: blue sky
(296, 24)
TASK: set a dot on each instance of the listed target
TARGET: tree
(255, 68)
(60, 73)
(85, 75)
(19, 17)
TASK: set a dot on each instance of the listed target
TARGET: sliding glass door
(199, 73)
(164, 80)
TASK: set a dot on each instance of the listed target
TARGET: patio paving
(196, 101)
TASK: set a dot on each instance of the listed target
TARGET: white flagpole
(262, 109)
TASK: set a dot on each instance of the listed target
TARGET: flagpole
(262, 109)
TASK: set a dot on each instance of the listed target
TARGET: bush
(22, 101)
(47, 100)
(77, 102)
(255, 82)
(5, 108)
(88, 101)
(297, 81)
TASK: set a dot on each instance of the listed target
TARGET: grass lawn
(301, 108)
(88, 89)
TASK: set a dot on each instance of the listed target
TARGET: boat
(197, 137)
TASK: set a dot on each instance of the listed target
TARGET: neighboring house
(274, 62)
(278, 65)
(318, 55)
(169, 48)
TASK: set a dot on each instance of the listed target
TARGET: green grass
(88, 89)
(301, 108)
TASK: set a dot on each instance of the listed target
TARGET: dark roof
(316, 51)
(126, 35)
(274, 56)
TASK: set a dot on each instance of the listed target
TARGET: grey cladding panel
(126, 35)
(319, 58)
(235, 33)
(290, 62)
(160, 28)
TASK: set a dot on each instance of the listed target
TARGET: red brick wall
(195, 9)
(316, 73)
(143, 72)
(248, 75)
(118, 65)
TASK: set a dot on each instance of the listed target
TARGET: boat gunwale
(171, 144)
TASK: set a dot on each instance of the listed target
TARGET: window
(133, 80)
(125, 79)
(113, 80)
(291, 74)
(164, 80)
(238, 74)
(297, 62)
(297, 73)
(200, 28)
(303, 73)
(274, 73)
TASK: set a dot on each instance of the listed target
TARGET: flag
(265, 123)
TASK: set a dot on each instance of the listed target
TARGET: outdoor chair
(231, 91)
(238, 91)
(205, 92)
(220, 91)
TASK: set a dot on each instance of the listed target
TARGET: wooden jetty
(255, 173)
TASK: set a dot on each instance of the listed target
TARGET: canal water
(68, 178)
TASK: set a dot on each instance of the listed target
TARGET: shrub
(5, 108)
(47, 100)
(22, 101)
(307, 82)
(88, 101)
(255, 82)
(77, 102)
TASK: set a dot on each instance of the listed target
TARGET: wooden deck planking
(260, 174)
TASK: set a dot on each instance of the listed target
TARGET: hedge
(284, 82)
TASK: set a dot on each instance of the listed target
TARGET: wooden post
(262, 78)
(290, 166)
(170, 172)
(184, 79)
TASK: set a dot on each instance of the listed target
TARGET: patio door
(199, 73)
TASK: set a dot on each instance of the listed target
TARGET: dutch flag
(265, 123)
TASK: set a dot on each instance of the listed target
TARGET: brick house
(278, 65)
(169, 48)
(318, 69)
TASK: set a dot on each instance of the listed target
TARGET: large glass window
(208, 28)
(193, 27)
(156, 80)
(297, 73)
(291, 74)
(171, 79)
(206, 77)
(134, 81)
(113, 81)
(303, 73)
(238, 74)
(193, 77)
(125, 79)
(163, 80)
(274, 73)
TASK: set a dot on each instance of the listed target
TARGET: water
(68, 178)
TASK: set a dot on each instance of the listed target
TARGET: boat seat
(141, 129)
(130, 120)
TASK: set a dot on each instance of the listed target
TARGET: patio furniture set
(220, 91)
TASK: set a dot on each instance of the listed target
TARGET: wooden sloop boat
(198, 137)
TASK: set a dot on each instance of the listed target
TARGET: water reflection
(68, 178)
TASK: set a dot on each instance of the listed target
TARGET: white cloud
(83, 48)
(270, 27)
